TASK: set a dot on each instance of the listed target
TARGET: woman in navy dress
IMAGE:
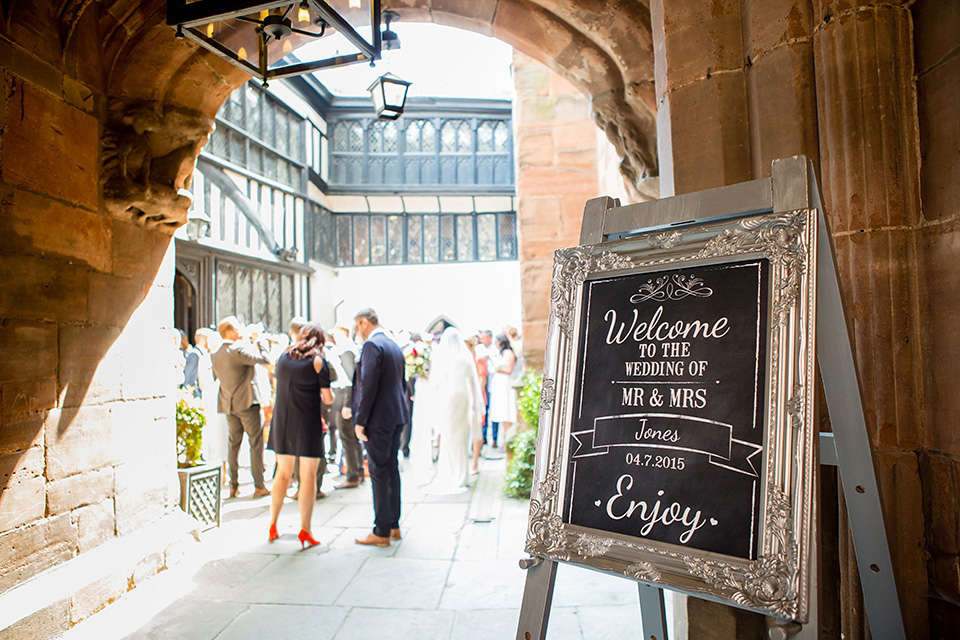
(303, 383)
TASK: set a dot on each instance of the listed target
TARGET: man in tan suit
(234, 365)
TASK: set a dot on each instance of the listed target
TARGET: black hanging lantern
(389, 95)
(259, 36)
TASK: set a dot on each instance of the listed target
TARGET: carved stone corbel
(634, 140)
(147, 159)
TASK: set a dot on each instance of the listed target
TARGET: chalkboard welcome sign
(677, 428)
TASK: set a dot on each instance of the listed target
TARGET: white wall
(321, 284)
(474, 295)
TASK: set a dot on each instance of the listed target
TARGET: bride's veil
(453, 371)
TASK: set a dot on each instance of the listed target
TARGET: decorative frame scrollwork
(777, 581)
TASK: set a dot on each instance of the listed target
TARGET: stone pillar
(702, 129)
(556, 147)
(866, 101)
(937, 69)
(734, 83)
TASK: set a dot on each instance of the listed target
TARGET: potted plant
(522, 448)
(199, 482)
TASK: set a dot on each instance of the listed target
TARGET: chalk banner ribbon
(669, 431)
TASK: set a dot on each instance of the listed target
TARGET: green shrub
(520, 470)
(523, 446)
(528, 400)
(190, 423)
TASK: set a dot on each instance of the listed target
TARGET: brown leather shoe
(234, 493)
(347, 485)
(374, 540)
(259, 493)
(395, 534)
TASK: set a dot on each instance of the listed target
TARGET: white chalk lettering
(658, 513)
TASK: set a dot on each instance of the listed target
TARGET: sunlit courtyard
(455, 574)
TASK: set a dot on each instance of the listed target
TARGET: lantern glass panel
(394, 94)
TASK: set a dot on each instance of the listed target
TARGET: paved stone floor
(454, 575)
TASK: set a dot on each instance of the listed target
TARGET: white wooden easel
(792, 186)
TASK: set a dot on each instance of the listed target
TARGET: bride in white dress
(456, 409)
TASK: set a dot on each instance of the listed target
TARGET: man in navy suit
(380, 411)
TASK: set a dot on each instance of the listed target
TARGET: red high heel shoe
(273, 535)
(306, 540)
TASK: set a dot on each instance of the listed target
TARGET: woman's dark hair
(310, 342)
(503, 342)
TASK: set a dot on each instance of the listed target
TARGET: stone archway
(164, 93)
(101, 120)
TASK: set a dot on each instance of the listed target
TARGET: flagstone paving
(454, 575)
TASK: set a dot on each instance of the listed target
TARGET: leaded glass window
(273, 296)
(501, 136)
(344, 240)
(340, 133)
(465, 250)
(431, 238)
(225, 289)
(376, 138)
(487, 236)
(448, 239)
(361, 240)
(261, 310)
(355, 138)
(414, 239)
(428, 137)
(485, 137)
(286, 302)
(253, 120)
(269, 125)
(507, 236)
(378, 240)
(395, 239)
(383, 137)
(283, 132)
(244, 310)
(413, 142)
(456, 137)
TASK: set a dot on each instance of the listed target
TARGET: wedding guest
(516, 343)
(191, 360)
(179, 361)
(481, 364)
(234, 366)
(347, 354)
(458, 410)
(503, 398)
(487, 352)
(215, 429)
(303, 381)
(413, 339)
(333, 359)
(296, 325)
(380, 411)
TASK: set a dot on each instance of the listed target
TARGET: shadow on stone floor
(454, 575)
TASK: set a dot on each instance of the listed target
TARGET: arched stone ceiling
(604, 47)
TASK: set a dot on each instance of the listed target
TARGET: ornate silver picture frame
(772, 575)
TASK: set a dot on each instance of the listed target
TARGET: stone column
(734, 84)
(556, 146)
(937, 68)
(866, 101)
(702, 129)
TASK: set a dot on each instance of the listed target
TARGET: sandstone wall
(87, 429)
(561, 163)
